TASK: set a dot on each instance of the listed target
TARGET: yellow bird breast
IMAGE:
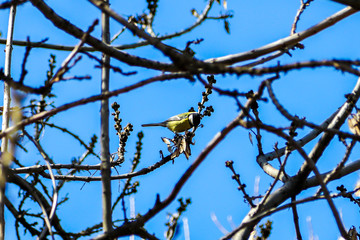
(179, 125)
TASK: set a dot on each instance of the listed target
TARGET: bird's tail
(154, 125)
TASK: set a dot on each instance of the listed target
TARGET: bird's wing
(178, 117)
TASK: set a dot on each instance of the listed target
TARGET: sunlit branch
(346, 170)
(265, 59)
(300, 11)
(263, 160)
(105, 157)
(5, 159)
(280, 173)
(285, 43)
(290, 188)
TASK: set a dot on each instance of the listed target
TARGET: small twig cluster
(349, 195)
(173, 222)
(130, 188)
(205, 97)
(241, 187)
(123, 134)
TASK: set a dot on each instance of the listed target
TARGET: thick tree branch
(4, 157)
(104, 129)
(71, 29)
(199, 20)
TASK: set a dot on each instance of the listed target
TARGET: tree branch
(104, 129)
(285, 43)
(294, 185)
(4, 157)
(45, 114)
(71, 29)
(199, 20)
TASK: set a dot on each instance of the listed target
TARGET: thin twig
(143, 171)
(280, 173)
(40, 199)
(55, 191)
(300, 11)
(241, 187)
(175, 56)
(296, 219)
(340, 166)
(20, 218)
(64, 66)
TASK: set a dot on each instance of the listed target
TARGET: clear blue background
(313, 94)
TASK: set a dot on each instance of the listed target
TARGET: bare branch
(285, 43)
(296, 219)
(45, 114)
(104, 129)
(96, 43)
(12, 3)
(40, 169)
(65, 65)
(6, 160)
(302, 8)
(40, 199)
(291, 187)
(353, 3)
(49, 218)
(199, 20)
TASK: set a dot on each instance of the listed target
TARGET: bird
(179, 123)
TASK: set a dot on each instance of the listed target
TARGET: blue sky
(311, 93)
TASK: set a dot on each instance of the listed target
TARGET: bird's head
(194, 119)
